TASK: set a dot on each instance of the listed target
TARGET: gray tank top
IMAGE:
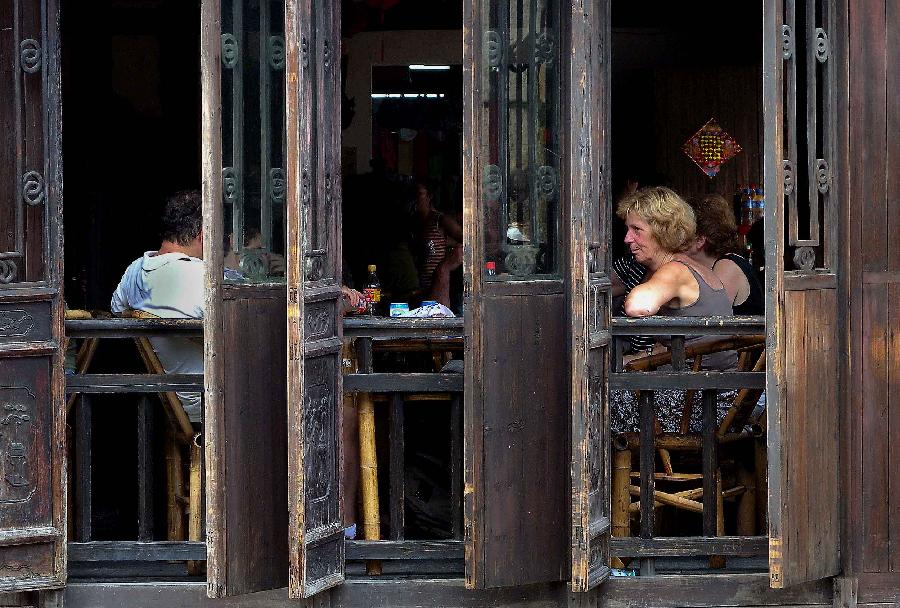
(710, 303)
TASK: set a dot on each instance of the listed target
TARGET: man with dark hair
(169, 283)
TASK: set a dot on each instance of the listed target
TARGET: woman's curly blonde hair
(670, 218)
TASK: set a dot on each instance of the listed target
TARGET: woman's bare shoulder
(674, 270)
(727, 269)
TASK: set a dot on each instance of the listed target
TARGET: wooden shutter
(32, 384)
(589, 286)
(245, 324)
(314, 296)
(518, 382)
(805, 313)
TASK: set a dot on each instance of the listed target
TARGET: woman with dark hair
(715, 247)
(437, 233)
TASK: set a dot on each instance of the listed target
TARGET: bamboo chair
(180, 437)
(751, 357)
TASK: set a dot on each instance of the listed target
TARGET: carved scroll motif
(493, 48)
(543, 49)
(33, 192)
(787, 42)
(229, 184)
(823, 175)
(30, 55)
(16, 443)
(493, 183)
(277, 185)
(304, 51)
(14, 323)
(8, 271)
(546, 181)
(788, 167)
(276, 52)
(822, 46)
(230, 50)
(804, 258)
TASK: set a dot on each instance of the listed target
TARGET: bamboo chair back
(183, 431)
(178, 418)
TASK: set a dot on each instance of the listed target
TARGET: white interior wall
(367, 49)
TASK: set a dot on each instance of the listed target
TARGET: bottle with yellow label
(372, 292)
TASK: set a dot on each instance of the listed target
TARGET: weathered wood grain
(32, 384)
(314, 384)
(525, 465)
(214, 318)
(875, 448)
(868, 103)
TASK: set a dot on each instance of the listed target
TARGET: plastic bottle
(490, 269)
(746, 207)
(372, 291)
(759, 203)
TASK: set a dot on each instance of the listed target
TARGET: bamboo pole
(621, 520)
(743, 395)
(652, 362)
(174, 485)
(672, 477)
(672, 500)
(368, 475)
(746, 515)
(195, 504)
(694, 494)
(665, 441)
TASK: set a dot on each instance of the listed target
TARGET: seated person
(715, 247)
(169, 283)
(435, 230)
(660, 228)
(442, 278)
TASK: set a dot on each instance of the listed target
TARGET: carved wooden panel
(804, 314)
(313, 209)
(320, 321)
(32, 417)
(589, 285)
(25, 321)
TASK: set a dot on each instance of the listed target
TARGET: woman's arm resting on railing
(647, 298)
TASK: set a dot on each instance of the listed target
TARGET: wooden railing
(370, 335)
(733, 332)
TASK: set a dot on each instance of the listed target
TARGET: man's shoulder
(181, 265)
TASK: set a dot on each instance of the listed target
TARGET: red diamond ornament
(711, 147)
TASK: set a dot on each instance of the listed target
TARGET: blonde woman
(660, 229)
